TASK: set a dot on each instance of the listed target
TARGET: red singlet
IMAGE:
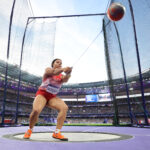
(50, 87)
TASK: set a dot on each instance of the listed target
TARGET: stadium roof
(86, 85)
(13, 73)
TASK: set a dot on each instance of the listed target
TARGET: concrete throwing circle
(72, 136)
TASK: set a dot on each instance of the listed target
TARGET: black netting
(129, 72)
(10, 50)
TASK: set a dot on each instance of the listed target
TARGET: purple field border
(140, 140)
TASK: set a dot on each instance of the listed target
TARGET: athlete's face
(57, 64)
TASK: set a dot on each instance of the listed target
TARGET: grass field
(78, 124)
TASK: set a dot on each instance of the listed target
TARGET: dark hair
(54, 61)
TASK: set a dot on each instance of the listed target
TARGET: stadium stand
(80, 111)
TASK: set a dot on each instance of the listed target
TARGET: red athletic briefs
(47, 95)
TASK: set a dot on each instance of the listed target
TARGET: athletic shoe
(27, 134)
(59, 136)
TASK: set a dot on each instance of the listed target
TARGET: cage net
(122, 61)
(42, 40)
(47, 37)
(29, 56)
(38, 48)
(20, 13)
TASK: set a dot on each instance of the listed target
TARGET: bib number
(52, 89)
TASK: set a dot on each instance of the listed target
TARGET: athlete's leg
(38, 105)
(58, 104)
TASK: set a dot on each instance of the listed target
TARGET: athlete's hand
(65, 69)
(68, 70)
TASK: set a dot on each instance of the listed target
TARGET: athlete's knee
(65, 108)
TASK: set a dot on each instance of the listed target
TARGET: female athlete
(47, 96)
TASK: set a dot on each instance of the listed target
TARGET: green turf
(78, 124)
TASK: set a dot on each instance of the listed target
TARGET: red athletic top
(52, 84)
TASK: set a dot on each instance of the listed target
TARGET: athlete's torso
(52, 84)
